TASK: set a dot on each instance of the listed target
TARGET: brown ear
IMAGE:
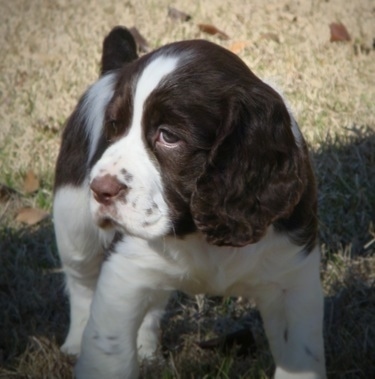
(253, 176)
(119, 48)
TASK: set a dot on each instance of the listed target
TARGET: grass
(50, 53)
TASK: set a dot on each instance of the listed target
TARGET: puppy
(181, 170)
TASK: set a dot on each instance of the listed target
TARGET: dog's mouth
(107, 223)
(104, 215)
(126, 220)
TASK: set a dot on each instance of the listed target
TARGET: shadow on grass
(345, 169)
(33, 303)
(32, 300)
(350, 321)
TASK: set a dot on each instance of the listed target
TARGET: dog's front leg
(81, 254)
(121, 300)
(292, 312)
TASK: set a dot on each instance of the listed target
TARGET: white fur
(149, 80)
(95, 102)
(283, 280)
(137, 279)
(80, 246)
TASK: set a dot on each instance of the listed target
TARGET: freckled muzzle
(126, 203)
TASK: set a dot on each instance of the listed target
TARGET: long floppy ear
(119, 47)
(254, 175)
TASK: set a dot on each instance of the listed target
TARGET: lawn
(50, 53)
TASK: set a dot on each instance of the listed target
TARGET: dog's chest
(229, 271)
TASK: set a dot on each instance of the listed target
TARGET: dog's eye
(167, 138)
(111, 129)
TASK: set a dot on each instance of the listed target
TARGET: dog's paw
(147, 348)
(71, 348)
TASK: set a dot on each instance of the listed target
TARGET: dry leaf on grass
(31, 182)
(213, 30)
(31, 216)
(238, 47)
(177, 15)
(339, 32)
(139, 40)
(271, 36)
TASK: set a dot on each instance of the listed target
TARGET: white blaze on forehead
(145, 212)
(148, 81)
(93, 108)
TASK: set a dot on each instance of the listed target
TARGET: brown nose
(106, 188)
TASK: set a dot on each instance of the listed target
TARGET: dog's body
(181, 170)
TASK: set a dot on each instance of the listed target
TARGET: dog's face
(193, 140)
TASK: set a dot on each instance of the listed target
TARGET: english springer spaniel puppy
(182, 170)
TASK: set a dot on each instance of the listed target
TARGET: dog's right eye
(111, 130)
(167, 138)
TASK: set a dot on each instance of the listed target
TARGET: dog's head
(191, 140)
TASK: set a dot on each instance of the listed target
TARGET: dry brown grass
(50, 53)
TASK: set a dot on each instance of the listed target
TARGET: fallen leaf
(177, 15)
(139, 40)
(213, 30)
(238, 46)
(31, 216)
(243, 339)
(339, 32)
(31, 182)
(271, 36)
